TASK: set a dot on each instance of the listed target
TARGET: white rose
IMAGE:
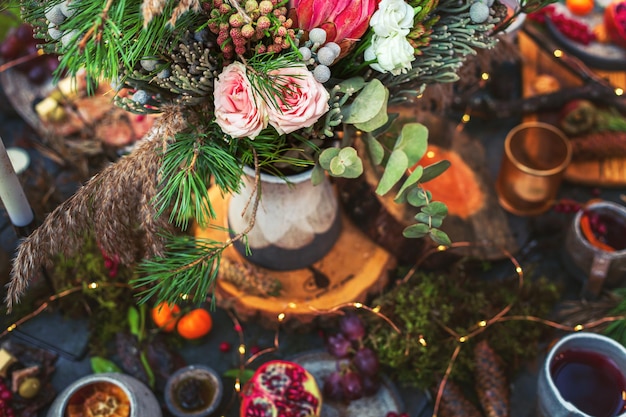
(391, 17)
(393, 54)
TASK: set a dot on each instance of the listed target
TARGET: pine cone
(249, 279)
(455, 404)
(491, 383)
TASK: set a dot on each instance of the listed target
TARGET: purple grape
(371, 385)
(366, 361)
(352, 326)
(37, 74)
(338, 345)
(10, 48)
(24, 33)
(332, 388)
(352, 385)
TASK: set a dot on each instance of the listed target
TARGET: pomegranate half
(281, 389)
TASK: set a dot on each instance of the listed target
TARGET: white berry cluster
(320, 54)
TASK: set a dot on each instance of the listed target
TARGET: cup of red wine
(583, 375)
(595, 246)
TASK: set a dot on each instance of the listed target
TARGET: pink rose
(303, 102)
(237, 111)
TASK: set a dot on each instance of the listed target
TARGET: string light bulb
(557, 53)
(242, 349)
(93, 285)
(578, 327)
(619, 92)
(482, 323)
(484, 76)
(466, 118)
(281, 317)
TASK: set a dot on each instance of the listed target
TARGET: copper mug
(536, 155)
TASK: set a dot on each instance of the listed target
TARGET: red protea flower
(343, 20)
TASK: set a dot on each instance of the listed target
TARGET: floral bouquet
(276, 85)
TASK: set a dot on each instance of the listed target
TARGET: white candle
(12, 193)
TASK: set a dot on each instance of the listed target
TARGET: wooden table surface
(536, 61)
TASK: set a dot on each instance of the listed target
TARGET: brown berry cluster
(258, 27)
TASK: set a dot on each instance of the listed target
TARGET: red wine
(590, 381)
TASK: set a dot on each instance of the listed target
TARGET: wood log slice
(354, 269)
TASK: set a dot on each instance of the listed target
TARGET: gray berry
(321, 73)
(317, 35)
(66, 9)
(55, 15)
(306, 53)
(141, 97)
(326, 56)
(479, 12)
(149, 64)
(69, 38)
(54, 31)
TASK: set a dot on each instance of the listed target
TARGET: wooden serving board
(355, 267)
(610, 172)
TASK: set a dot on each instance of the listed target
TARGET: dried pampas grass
(116, 204)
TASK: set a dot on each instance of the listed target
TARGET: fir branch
(266, 83)
(189, 165)
(189, 267)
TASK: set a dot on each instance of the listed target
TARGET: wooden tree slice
(353, 269)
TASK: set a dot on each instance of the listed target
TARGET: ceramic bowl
(193, 391)
(128, 393)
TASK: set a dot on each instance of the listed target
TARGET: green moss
(429, 303)
(106, 305)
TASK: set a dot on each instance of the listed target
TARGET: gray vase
(551, 402)
(296, 224)
(142, 401)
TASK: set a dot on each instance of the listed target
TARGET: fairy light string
(246, 359)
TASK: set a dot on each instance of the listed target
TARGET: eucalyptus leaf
(394, 170)
(416, 231)
(327, 156)
(413, 178)
(418, 197)
(351, 85)
(377, 121)
(440, 237)
(429, 220)
(413, 141)
(337, 168)
(374, 148)
(371, 99)
(434, 170)
(435, 208)
(317, 174)
(346, 164)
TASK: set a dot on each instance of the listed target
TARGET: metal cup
(535, 157)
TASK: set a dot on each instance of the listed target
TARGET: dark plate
(320, 364)
(602, 56)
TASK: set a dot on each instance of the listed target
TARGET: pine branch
(189, 266)
(189, 165)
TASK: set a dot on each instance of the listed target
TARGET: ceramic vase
(296, 222)
(142, 401)
(552, 401)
